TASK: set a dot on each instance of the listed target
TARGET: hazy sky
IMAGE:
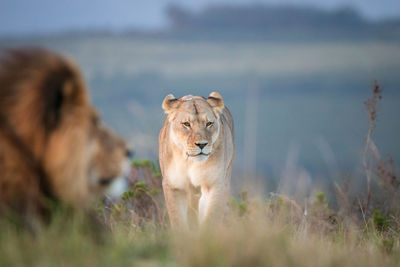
(41, 16)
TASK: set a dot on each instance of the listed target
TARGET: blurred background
(295, 74)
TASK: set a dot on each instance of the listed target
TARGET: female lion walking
(196, 151)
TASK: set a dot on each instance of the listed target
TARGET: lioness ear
(216, 102)
(169, 103)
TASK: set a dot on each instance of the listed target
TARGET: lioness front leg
(177, 206)
(212, 204)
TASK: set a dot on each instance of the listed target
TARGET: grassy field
(362, 228)
(307, 124)
(129, 77)
(257, 231)
(297, 95)
(247, 241)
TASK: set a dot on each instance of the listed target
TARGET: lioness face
(195, 124)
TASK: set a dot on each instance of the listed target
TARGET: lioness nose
(201, 145)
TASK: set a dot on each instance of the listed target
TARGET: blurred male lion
(53, 146)
(196, 151)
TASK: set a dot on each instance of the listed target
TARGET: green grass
(258, 230)
(263, 233)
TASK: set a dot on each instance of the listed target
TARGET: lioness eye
(186, 124)
(209, 124)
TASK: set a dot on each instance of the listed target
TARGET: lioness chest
(185, 174)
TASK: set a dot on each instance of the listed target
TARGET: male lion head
(52, 141)
(195, 123)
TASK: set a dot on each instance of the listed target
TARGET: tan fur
(52, 142)
(186, 173)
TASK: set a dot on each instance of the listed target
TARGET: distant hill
(257, 22)
(277, 22)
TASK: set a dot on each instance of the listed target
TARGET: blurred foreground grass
(257, 232)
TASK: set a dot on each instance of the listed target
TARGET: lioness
(53, 145)
(196, 152)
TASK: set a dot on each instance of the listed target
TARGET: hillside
(262, 22)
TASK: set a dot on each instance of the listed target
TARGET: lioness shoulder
(196, 152)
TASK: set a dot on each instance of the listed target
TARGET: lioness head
(195, 123)
(52, 141)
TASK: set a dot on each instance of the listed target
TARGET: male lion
(196, 151)
(53, 145)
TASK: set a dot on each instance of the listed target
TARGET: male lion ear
(169, 103)
(216, 102)
(57, 90)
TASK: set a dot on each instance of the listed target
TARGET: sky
(19, 17)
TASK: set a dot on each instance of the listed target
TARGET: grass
(257, 232)
(362, 230)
